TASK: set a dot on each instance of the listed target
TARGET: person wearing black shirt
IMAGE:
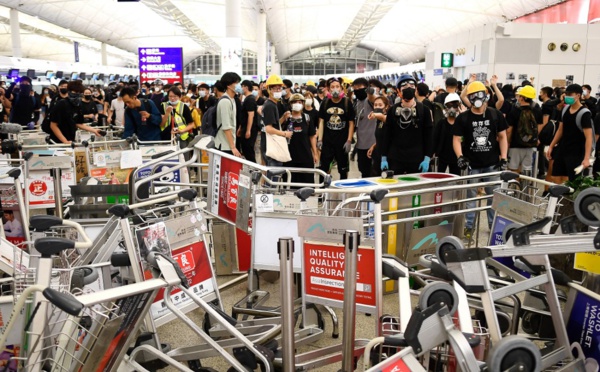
(256, 93)
(443, 136)
(524, 112)
(67, 116)
(480, 141)
(588, 100)
(303, 142)
(205, 100)
(451, 87)
(248, 129)
(272, 123)
(309, 108)
(26, 105)
(408, 132)
(336, 128)
(88, 107)
(575, 145)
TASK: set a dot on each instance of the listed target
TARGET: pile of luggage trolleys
(95, 302)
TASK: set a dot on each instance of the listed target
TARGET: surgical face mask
(308, 102)
(255, 93)
(585, 92)
(174, 103)
(46, 91)
(157, 89)
(390, 90)
(189, 94)
(303, 91)
(297, 107)
(238, 88)
(187, 104)
(277, 95)
(202, 93)
(569, 100)
(284, 93)
(335, 93)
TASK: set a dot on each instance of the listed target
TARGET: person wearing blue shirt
(142, 117)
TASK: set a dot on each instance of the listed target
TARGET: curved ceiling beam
(366, 19)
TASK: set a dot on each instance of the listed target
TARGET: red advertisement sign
(225, 179)
(572, 12)
(392, 365)
(196, 266)
(324, 272)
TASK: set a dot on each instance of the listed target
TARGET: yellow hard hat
(274, 80)
(310, 83)
(476, 86)
(527, 91)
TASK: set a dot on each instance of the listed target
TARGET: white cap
(451, 97)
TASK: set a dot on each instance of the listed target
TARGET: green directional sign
(447, 60)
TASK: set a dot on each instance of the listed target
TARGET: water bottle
(290, 129)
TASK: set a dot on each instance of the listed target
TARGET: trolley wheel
(448, 243)
(439, 292)
(83, 276)
(515, 353)
(426, 259)
(531, 322)
(586, 198)
(508, 230)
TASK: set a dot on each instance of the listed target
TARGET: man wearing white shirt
(12, 227)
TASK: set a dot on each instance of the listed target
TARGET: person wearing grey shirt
(226, 114)
(366, 92)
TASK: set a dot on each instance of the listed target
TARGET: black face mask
(378, 111)
(25, 89)
(63, 90)
(361, 93)
(408, 94)
(540, 98)
(265, 93)
(75, 99)
(88, 97)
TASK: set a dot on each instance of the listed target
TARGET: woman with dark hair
(176, 117)
(380, 108)
(67, 116)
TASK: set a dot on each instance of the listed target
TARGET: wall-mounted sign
(447, 60)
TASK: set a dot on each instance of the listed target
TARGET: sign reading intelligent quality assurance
(165, 64)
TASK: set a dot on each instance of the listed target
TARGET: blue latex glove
(424, 166)
(384, 163)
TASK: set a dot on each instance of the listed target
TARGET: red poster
(324, 272)
(392, 365)
(244, 250)
(572, 12)
(228, 188)
(195, 264)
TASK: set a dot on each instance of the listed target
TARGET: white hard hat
(451, 97)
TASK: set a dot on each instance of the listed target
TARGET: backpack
(526, 134)
(438, 112)
(580, 114)
(209, 121)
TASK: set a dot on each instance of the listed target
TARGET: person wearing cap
(451, 87)
(524, 122)
(479, 143)
(271, 120)
(26, 106)
(303, 142)
(407, 144)
(572, 146)
(336, 128)
(443, 136)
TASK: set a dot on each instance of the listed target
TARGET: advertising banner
(324, 273)
(584, 325)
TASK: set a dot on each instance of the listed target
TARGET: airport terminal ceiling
(398, 29)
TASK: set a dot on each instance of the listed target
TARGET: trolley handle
(46, 222)
(12, 173)
(122, 210)
(64, 301)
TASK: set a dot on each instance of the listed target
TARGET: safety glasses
(477, 95)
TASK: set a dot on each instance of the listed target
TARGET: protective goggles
(407, 83)
(452, 105)
(477, 95)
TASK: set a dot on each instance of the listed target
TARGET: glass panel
(329, 67)
(319, 68)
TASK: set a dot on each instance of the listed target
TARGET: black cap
(311, 89)
(574, 88)
(451, 82)
(25, 78)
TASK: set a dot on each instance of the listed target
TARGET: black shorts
(564, 166)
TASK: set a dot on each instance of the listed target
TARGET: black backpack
(438, 112)
(526, 134)
(546, 135)
(209, 121)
